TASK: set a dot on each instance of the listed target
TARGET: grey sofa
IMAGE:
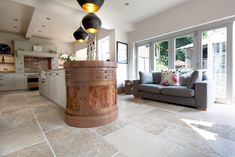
(200, 96)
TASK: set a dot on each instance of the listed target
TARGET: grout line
(23, 148)
(171, 151)
(116, 154)
(43, 134)
(54, 129)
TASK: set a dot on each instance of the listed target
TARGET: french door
(216, 51)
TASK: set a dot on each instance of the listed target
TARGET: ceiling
(58, 19)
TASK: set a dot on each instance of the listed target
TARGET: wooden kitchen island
(91, 93)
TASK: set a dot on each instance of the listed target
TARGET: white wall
(122, 70)
(188, 15)
(62, 47)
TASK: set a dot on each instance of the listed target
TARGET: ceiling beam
(35, 20)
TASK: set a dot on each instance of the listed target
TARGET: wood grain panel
(91, 93)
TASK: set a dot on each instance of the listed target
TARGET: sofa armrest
(136, 87)
(205, 94)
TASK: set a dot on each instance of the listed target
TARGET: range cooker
(33, 81)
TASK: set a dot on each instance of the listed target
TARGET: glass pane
(143, 58)
(103, 48)
(161, 56)
(184, 52)
(214, 45)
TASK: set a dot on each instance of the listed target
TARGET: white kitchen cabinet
(20, 81)
(6, 82)
(52, 86)
(13, 81)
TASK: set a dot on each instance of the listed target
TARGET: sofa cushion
(151, 88)
(181, 91)
(184, 77)
(195, 77)
(156, 77)
(146, 78)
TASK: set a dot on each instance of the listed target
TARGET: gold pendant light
(91, 6)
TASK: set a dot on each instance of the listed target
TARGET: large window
(160, 56)
(103, 48)
(184, 52)
(143, 58)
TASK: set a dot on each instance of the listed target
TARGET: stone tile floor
(33, 126)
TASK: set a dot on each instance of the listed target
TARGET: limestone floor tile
(107, 129)
(11, 107)
(18, 130)
(38, 150)
(73, 142)
(181, 151)
(50, 117)
(128, 108)
(167, 116)
(223, 147)
(135, 142)
(148, 123)
(193, 114)
(166, 106)
(189, 138)
(223, 131)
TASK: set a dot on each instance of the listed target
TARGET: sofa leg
(202, 108)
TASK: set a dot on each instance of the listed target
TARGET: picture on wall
(122, 52)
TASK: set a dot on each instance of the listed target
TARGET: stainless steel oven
(33, 81)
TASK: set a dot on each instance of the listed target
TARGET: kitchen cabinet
(52, 86)
(20, 81)
(6, 82)
(13, 81)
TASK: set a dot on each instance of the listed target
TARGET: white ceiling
(66, 15)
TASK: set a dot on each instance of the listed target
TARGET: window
(103, 48)
(161, 56)
(183, 52)
(143, 58)
(81, 54)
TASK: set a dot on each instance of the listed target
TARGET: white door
(215, 57)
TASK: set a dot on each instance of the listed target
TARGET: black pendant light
(91, 6)
(80, 35)
(91, 23)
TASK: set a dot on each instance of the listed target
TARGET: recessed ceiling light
(43, 26)
(16, 20)
(127, 3)
(15, 27)
(48, 18)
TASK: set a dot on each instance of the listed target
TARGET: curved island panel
(91, 93)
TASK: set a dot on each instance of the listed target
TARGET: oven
(33, 81)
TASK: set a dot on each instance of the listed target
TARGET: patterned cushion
(170, 78)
